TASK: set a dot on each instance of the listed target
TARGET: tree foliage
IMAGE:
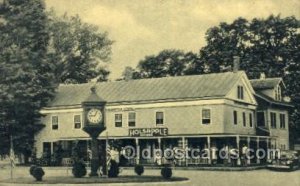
(26, 75)
(38, 50)
(168, 63)
(77, 49)
(264, 45)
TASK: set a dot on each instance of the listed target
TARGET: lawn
(84, 180)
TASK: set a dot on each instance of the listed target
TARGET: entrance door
(261, 119)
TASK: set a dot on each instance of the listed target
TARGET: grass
(86, 180)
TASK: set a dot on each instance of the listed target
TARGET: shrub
(79, 169)
(32, 167)
(139, 169)
(166, 172)
(114, 169)
(38, 173)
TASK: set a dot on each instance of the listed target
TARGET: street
(196, 177)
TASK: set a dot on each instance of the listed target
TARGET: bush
(32, 167)
(114, 169)
(79, 169)
(139, 169)
(166, 172)
(38, 173)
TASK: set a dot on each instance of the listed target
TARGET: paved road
(196, 177)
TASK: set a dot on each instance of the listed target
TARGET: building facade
(200, 111)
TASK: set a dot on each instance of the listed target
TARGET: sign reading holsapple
(141, 132)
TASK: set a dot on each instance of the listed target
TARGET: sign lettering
(146, 132)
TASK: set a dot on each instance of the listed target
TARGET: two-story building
(272, 110)
(199, 111)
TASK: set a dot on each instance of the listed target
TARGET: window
(250, 120)
(118, 120)
(273, 119)
(77, 121)
(159, 118)
(131, 119)
(278, 93)
(206, 116)
(244, 119)
(54, 122)
(235, 119)
(240, 92)
(282, 121)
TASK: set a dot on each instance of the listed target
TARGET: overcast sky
(145, 27)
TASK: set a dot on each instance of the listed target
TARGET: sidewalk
(208, 168)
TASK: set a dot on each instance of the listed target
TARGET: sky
(146, 27)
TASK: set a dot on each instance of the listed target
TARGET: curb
(207, 168)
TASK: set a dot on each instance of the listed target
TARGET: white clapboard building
(199, 111)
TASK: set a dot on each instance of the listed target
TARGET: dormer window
(278, 93)
(240, 92)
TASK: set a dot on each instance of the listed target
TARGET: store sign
(145, 132)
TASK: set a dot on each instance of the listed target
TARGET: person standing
(244, 155)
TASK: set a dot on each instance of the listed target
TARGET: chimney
(262, 75)
(236, 63)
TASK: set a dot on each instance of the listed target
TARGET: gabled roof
(268, 83)
(271, 100)
(206, 86)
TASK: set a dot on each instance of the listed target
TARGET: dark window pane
(250, 120)
(159, 118)
(131, 119)
(261, 119)
(118, 120)
(235, 119)
(244, 119)
(206, 116)
(77, 121)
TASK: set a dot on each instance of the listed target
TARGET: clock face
(94, 116)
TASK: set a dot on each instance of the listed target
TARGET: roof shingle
(155, 89)
(268, 83)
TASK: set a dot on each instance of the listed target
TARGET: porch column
(137, 151)
(159, 143)
(52, 147)
(187, 146)
(257, 145)
(209, 149)
(238, 147)
(248, 145)
(184, 148)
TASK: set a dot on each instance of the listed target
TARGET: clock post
(93, 108)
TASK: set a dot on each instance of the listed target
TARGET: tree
(264, 45)
(169, 63)
(26, 74)
(269, 45)
(129, 73)
(77, 50)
